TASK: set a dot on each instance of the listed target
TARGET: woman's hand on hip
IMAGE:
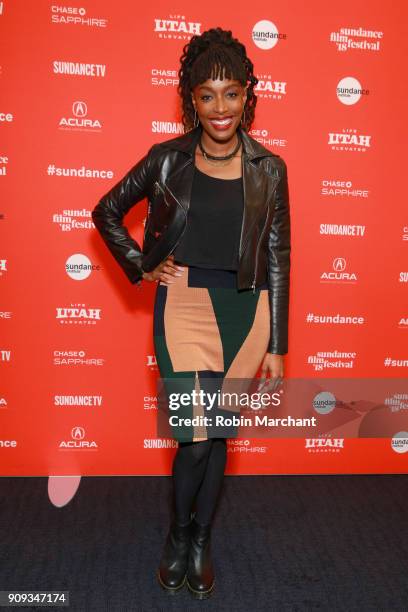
(165, 272)
(271, 371)
(272, 365)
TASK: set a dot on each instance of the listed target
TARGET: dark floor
(279, 543)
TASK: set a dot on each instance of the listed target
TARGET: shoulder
(271, 162)
(274, 165)
(170, 148)
(183, 142)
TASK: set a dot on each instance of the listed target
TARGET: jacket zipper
(157, 185)
(257, 251)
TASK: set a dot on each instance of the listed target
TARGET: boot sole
(170, 590)
(201, 594)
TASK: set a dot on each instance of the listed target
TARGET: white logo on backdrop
(79, 266)
(265, 34)
(399, 442)
(349, 91)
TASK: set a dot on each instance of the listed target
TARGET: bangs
(217, 63)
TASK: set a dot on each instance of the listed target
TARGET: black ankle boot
(174, 561)
(200, 573)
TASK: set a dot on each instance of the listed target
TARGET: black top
(211, 238)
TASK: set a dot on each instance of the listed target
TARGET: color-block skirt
(206, 332)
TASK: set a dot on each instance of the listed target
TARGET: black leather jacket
(164, 175)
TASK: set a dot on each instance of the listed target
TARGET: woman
(217, 242)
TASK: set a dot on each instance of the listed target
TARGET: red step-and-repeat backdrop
(86, 88)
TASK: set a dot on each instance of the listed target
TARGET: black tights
(198, 470)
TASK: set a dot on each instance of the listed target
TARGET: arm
(109, 212)
(279, 247)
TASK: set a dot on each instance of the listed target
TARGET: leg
(211, 485)
(200, 572)
(189, 468)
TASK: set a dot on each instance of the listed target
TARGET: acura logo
(79, 109)
(339, 264)
(78, 433)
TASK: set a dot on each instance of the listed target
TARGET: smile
(221, 122)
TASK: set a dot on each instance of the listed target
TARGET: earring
(243, 120)
(196, 120)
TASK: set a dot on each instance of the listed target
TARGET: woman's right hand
(165, 271)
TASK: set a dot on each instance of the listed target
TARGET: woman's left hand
(272, 367)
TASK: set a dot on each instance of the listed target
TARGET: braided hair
(211, 55)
